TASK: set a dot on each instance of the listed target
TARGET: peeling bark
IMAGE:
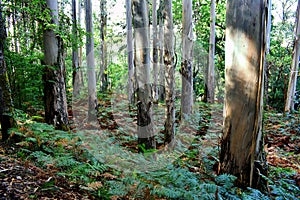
(187, 60)
(142, 74)
(54, 81)
(169, 73)
(241, 145)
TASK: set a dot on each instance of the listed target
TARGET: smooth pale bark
(90, 60)
(161, 90)
(169, 73)
(130, 52)
(211, 59)
(54, 81)
(155, 50)
(290, 96)
(142, 74)
(241, 145)
(79, 25)
(6, 105)
(187, 59)
(103, 49)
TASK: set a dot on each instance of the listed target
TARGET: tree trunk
(155, 50)
(80, 52)
(187, 59)
(211, 65)
(169, 73)
(290, 95)
(161, 90)
(142, 73)
(54, 81)
(266, 67)
(130, 53)
(6, 105)
(241, 145)
(75, 60)
(103, 52)
(92, 97)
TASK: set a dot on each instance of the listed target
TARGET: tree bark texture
(103, 49)
(142, 74)
(187, 59)
(75, 59)
(241, 145)
(130, 59)
(161, 90)
(290, 96)
(54, 81)
(92, 96)
(169, 72)
(211, 59)
(155, 50)
(6, 105)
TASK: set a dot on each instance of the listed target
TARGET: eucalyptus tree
(6, 105)
(241, 144)
(155, 50)
(75, 59)
(169, 72)
(290, 96)
(211, 60)
(280, 59)
(103, 49)
(187, 58)
(161, 89)
(90, 60)
(130, 60)
(142, 74)
(55, 100)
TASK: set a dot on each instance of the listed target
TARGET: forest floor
(33, 166)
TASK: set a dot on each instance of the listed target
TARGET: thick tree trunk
(187, 59)
(103, 52)
(6, 105)
(211, 60)
(130, 53)
(53, 77)
(241, 146)
(142, 73)
(290, 95)
(155, 50)
(92, 96)
(169, 73)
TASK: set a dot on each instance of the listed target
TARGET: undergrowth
(190, 176)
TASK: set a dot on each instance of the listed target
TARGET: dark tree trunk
(103, 52)
(6, 105)
(75, 61)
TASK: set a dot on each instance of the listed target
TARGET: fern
(117, 188)
(253, 194)
(226, 180)
(42, 158)
(65, 161)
